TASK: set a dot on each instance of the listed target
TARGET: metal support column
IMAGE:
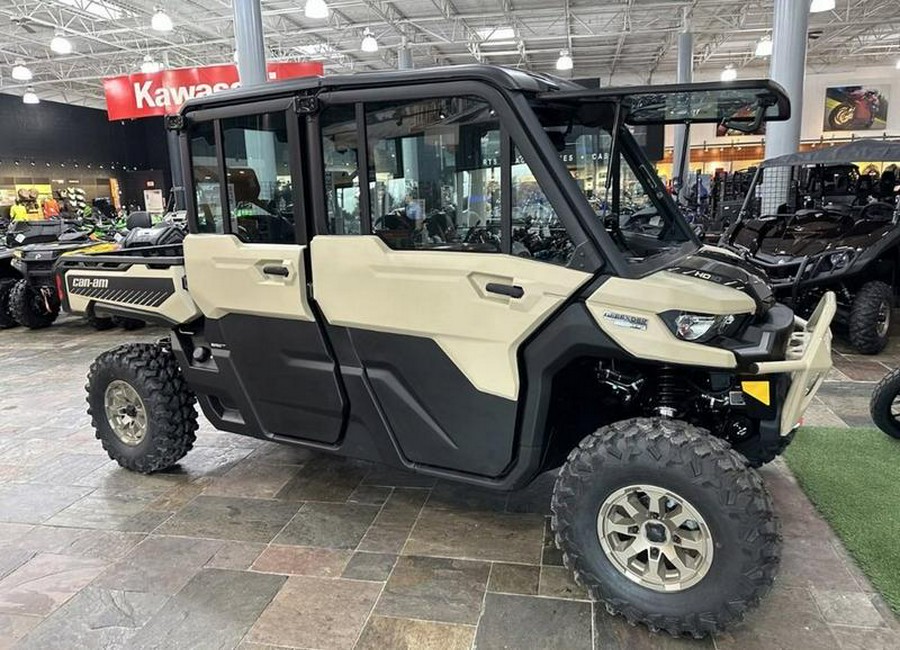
(249, 44)
(684, 74)
(788, 66)
(404, 56)
(177, 170)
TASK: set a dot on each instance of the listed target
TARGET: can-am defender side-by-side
(474, 273)
(815, 223)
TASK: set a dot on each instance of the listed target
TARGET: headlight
(837, 260)
(700, 327)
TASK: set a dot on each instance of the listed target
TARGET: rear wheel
(666, 525)
(870, 317)
(141, 408)
(6, 319)
(885, 404)
(99, 323)
(128, 323)
(31, 307)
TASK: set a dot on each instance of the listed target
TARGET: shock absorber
(670, 393)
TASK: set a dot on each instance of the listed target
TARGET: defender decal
(148, 292)
(626, 320)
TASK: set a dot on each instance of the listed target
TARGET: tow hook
(45, 291)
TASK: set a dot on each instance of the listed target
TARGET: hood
(723, 267)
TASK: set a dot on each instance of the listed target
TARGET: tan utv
(474, 273)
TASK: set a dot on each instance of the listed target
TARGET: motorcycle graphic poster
(856, 108)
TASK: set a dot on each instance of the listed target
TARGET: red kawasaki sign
(161, 93)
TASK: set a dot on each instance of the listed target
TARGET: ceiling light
(30, 97)
(316, 9)
(818, 6)
(150, 65)
(764, 46)
(60, 44)
(369, 44)
(729, 73)
(21, 72)
(564, 62)
(161, 21)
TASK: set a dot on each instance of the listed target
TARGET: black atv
(19, 234)
(814, 223)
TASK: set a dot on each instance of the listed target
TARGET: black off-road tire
(151, 370)
(863, 323)
(99, 323)
(715, 480)
(128, 324)
(6, 319)
(881, 404)
(27, 308)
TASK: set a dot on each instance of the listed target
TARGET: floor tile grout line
(365, 624)
(487, 586)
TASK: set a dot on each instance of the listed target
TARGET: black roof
(502, 77)
(863, 150)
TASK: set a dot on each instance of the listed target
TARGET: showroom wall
(64, 145)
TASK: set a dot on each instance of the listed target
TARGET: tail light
(60, 291)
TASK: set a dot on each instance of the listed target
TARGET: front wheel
(666, 525)
(870, 317)
(141, 408)
(885, 404)
(31, 307)
(6, 319)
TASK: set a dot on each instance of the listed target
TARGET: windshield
(620, 189)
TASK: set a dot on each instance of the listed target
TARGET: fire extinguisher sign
(163, 93)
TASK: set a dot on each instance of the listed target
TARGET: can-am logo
(162, 93)
(90, 283)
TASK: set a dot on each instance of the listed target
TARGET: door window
(260, 192)
(434, 174)
(536, 230)
(205, 171)
(340, 145)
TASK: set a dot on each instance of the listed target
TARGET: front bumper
(807, 361)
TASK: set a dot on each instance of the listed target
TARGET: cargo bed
(146, 283)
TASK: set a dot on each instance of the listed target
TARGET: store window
(260, 194)
(340, 150)
(434, 174)
(536, 230)
(205, 173)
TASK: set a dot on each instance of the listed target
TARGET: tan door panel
(227, 276)
(360, 282)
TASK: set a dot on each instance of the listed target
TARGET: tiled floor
(254, 545)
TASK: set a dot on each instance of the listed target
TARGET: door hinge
(305, 104)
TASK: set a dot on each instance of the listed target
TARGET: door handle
(511, 290)
(274, 269)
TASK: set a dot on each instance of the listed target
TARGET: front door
(415, 261)
(246, 268)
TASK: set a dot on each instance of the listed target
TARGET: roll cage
(512, 93)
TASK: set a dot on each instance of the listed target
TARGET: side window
(434, 174)
(340, 145)
(204, 169)
(257, 162)
(536, 230)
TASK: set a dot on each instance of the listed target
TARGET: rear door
(413, 256)
(247, 270)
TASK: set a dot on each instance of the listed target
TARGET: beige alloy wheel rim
(883, 322)
(655, 537)
(125, 412)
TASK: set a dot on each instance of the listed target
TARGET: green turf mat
(853, 478)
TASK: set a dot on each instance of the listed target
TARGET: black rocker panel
(437, 416)
(288, 375)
